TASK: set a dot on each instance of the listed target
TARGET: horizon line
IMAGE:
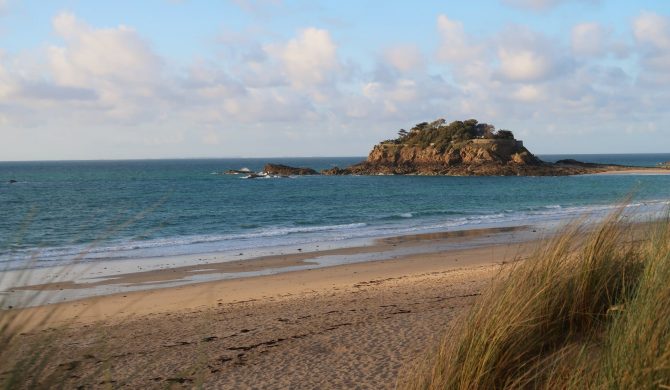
(281, 157)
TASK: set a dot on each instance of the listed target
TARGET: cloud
(309, 59)
(392, 99)
(541, 5)
(115, 54)
(523, 64)
(521, 78)
(652, 29)
(594, 40)
(116, 64)
(400, 91)
(455, 44)
(589, 39)
(404, 58)
(108, 86)
(17, 85)
(48, 91)
(528, 93)
(7, 83)
(652, 36)
(515, 54)
(525, 56)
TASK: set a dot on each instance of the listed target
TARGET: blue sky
(264, 78)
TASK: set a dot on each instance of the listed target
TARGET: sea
(59, 211)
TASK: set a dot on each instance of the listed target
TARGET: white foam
(282, 236)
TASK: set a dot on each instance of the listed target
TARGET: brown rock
(474, 157)
(285, 170)
(336, 171)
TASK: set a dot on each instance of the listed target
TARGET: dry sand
(348, 326)
(640, 171)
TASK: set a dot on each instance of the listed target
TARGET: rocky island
(460, 148)
(285, 170)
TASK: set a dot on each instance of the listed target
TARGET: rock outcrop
(461, 148)
(285, 170)
(487, 156)
(237, 171)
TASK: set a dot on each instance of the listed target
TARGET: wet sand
(351, 325)
(106, 278)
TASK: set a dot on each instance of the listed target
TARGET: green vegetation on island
(442, 135)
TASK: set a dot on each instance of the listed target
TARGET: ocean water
(89, 210)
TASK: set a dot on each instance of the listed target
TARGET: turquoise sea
(89, 210)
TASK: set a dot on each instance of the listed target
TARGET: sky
(268, 78)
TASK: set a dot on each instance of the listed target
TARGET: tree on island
(441, 135)
(504, 134)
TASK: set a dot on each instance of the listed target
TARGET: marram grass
(590, 309)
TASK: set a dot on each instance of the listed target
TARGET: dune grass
(589, 309)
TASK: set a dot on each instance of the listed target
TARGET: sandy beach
(333, 327)
(633, 171)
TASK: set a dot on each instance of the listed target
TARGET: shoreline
(80, 280)
(124, 305)
(83, 281)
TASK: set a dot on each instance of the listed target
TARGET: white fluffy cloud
(114, 54)
(455, 44)
(528, 56)
(309, 59)
(515, 54)
(523, 64)
(114, 64)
